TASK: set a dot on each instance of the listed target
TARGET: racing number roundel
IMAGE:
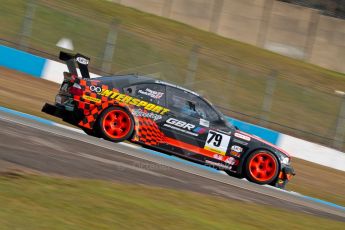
(217, 142)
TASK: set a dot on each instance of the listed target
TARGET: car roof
(131, 79)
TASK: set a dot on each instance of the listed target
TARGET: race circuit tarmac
(42, 147)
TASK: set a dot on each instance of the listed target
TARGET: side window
(153, 93)
(189, 104)
(206, 109)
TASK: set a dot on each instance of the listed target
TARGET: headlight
(285, 160)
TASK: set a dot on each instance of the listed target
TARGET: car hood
(265, 142)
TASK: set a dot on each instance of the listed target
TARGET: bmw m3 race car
(165, 117)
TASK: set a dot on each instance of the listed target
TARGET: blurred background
(277, 64)
(303, 96)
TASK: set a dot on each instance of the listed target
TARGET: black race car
(165, 117)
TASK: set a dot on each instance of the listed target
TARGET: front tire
(116, 124)
(261, 167)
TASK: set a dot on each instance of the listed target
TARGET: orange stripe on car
(189, 147)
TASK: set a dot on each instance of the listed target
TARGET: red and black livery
(165, 117)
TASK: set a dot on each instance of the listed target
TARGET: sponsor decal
(151, 93)
(97, 100)
(199, 130)
(236, 154)
(205, 123)
(217, 142)
(224, 132)
(236, 148)
(218, 165)
(82, 60)
(176, 86)
(183, 126)
(114, 95)
(243, 137)
(240, 142)
(95, 89)
(231, 161)
(218, 157)
(143, 113)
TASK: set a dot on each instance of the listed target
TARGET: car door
(218, 136)
(182, 121)
(193, 121)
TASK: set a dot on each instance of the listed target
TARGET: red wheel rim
(262, 167)
(116, 124)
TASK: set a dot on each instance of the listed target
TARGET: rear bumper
(56, 111)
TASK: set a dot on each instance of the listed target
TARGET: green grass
(231, 74)
(39, 202)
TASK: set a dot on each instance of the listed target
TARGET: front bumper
(285, 176)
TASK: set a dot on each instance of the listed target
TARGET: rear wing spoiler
(81, 60)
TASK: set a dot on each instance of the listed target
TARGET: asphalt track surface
(32, 145)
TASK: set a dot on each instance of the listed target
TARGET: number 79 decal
(217, 142)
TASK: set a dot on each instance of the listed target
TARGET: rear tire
(115, 124)
(261, 167)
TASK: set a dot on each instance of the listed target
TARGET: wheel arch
(121, 105)
(104, 132)
(244, 159)
(99, 113)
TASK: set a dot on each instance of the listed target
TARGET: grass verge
(39, 202)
